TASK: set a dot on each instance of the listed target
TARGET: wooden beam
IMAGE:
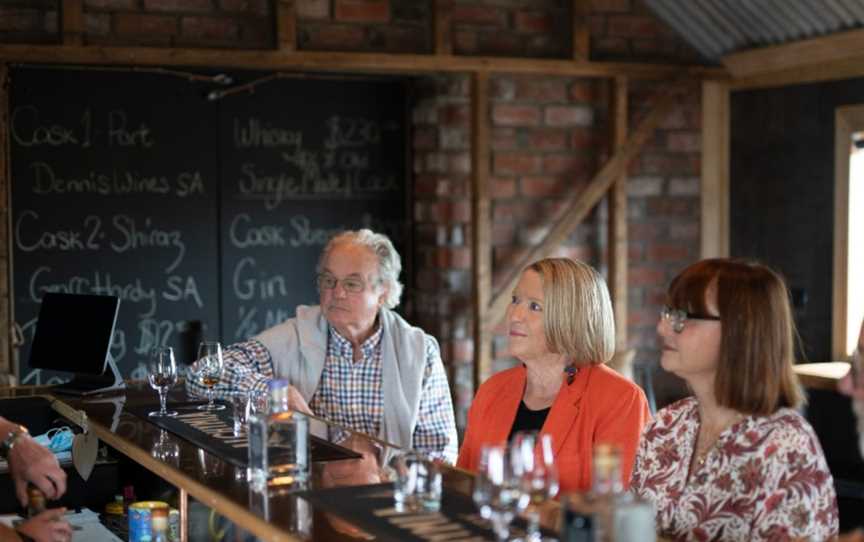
(5, 218)
(72, 22)
(481, 227)
(715, 170)
(581, 204)
(442, 27)
(336, 61)
(798, 54)
(286, 25)
(581, 30)
(618, 235)
(829, 71)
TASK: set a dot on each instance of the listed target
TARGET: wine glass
(539, 476)
(504, 489)
(162, 374)
(482, 493)
(166, 450)
(208, 368)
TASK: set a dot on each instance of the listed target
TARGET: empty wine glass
(539, 476)
(504, 489)
(162, 375)
(208, 368)
(482, 492)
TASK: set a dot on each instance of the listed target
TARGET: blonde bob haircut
(577, 311)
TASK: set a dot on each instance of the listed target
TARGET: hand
(363, 471)
(47, 526)
(846, 386)
(31, 462)
(296, 401)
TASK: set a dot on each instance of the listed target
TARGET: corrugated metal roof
(718, 27)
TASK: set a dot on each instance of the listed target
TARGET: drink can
(140, 517)
(174, 525)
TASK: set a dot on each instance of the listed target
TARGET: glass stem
(209, 397)
(533, 533)
(162, 398)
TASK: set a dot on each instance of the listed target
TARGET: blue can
(140, 517)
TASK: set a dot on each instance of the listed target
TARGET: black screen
(74, 332)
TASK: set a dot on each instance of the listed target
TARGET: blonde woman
(561, 327)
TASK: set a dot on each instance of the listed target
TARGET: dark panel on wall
(782, 193)
(205, 216)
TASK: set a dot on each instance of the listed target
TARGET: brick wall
(547, 134)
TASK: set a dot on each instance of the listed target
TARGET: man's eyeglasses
(678, 317)
(350, 284)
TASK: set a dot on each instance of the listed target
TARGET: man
(32, 463)
(352, 360)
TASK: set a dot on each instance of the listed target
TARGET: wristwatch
(10, 441)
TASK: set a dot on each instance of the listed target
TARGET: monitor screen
(73, 332)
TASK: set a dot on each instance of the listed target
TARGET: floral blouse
(765, 478)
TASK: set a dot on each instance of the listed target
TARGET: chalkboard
(205, 216)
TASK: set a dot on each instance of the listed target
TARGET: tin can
(173, 525)
(140, 517)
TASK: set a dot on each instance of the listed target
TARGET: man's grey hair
(389, 262)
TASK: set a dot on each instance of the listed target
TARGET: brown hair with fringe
(755, 368)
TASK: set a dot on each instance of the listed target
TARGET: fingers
(51, 514)
(21, 490)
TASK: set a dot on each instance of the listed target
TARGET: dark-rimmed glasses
(678, 317)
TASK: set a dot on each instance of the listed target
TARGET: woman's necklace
(705, 441)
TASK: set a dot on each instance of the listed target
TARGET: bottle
(278, 443)
(35, 501)
(159, 524)
(618, 514)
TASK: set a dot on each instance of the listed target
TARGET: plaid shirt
(349, 392)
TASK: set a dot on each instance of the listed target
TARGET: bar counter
(221, 485)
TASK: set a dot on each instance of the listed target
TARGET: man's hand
(31, 462)
(47, 526)
(296, 401)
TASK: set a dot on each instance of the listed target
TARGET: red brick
(539, 187)
(668, 253)
(452, 187)
(453, 258)
(635, 251)
(582, 91)
(686, 231)
(675, 120)
(256, 7)
(503, 187)
(644, 232)
(583, 138)
(462, 351)
(425, 138)
(510, 211)
(671, 207)
(571, 164)
(185, 6)
(597, 26)
(504, 138)
(109, 4)
(450, 211)
(452, 114)
(313, 9)
(424, 185)
(642, 317)
(516, 163)
(363, 11)
(610, 6)
(569, 115)
(478, 15)
(541, 90)
(533, 22)
(506, 257)
(336, 37)
(134, 24)
(214, 28)
(684, 142)
(503, 233)
(548, 140)
(630, 26)
(515, 115)
(646, 276)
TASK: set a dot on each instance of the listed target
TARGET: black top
(528, 420)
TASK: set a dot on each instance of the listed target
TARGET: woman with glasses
(735, 461)
(561, 328)
(352, 359)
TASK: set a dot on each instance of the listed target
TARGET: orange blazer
(600, 406)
